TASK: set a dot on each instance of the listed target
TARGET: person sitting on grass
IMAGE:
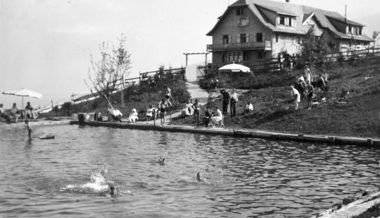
(15, 113)
(133, 116)
(3, 115)
(217, 119)
(29, 112)
(248, 108)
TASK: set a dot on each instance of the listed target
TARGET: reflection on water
(240, 177)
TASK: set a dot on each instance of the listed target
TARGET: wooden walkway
(249, 133)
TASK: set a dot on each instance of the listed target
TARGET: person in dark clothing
(226, 100)
(197, 110)
(207, 117)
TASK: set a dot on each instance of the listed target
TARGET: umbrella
(235, 68)
(23, 93)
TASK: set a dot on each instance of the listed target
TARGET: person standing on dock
(197, 111)
(233, 103)
(225, 101)
(162, 107)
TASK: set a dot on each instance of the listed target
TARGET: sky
(45, 45)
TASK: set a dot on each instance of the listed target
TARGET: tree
(375, 34)
(314, 49)
(107, 73)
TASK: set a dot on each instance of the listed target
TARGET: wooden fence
(151, 76)
(371, 55)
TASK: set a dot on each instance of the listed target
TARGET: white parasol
(235, 68)
(23, 93)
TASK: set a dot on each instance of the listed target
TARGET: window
(350, 29)
(243, 38)
(239, 11)
(260, 55)
(243, 21)
(245, 55)
(225, 58)
(226, 39)
(259, 37)
(286, 20)
(229, 57)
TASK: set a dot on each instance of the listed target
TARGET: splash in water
(97, 185)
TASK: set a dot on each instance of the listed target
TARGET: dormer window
(285, 20)
(239, 11)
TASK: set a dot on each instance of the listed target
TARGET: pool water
(69, 175)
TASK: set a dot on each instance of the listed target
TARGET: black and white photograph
(190, 108)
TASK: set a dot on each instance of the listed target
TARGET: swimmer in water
(161, 161)
(27, 127)
(199, 179)
(112, 189)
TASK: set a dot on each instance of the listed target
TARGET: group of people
(14, 114)
(229, 100)
(306, 87)
(210, 118)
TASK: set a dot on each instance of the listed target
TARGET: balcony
(267, 46)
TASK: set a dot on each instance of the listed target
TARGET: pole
(122, 93)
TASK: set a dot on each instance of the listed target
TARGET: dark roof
(300, 12)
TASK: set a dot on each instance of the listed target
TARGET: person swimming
(97, 185)
(199, 178)
(161, 161)
(27, 128)
(112, 190)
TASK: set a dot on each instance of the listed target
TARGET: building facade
(250, 31)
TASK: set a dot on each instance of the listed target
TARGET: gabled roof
(300, 12)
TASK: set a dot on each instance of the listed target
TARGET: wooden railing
(372, 55)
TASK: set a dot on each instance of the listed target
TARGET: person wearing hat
(225, 101)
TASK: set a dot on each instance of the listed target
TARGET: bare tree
(106, 74)
(375, 34)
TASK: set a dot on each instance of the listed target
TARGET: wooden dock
(249, 133)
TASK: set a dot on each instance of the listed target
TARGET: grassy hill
(357, 115)
(139, 96)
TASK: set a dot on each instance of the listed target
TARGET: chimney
(287, 1)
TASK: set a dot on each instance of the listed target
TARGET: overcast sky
(45, 44)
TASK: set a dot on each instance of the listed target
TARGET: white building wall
(288, 43)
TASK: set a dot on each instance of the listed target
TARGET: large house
(252, 30)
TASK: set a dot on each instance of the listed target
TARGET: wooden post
(122, 93)
(186, 59)
(206, 59)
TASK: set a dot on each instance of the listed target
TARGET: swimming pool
(241, 177)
